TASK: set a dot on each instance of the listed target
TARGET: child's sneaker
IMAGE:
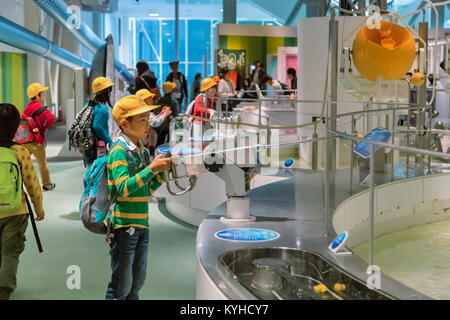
(49, 187)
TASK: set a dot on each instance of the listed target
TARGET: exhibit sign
(247, 235)
(378, 134)
(229, 59)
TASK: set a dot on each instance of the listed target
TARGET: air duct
(16, 36)
(63, 15)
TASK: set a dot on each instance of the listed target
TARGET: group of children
(133, 184)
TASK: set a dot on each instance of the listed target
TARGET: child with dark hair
(13, 223)
(292, 75)
(100, 101)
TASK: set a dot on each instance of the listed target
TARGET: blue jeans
(128, 264)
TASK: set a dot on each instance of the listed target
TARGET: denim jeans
(128, 263)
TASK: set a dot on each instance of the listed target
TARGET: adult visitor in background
(195, 86)
(226, 90)
(145, 78)
(258, 74)
(292, 75)
(180, 90)
(43, 120)
(240, 80)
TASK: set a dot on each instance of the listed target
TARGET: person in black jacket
(258, 75)
(240, 83)
(145, 78)
(292, 75)
(180, 80)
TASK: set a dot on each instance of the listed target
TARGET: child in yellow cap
(134, 183)
(156, 119)
(100, 101)
(43, 120)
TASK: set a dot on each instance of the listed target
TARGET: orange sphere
(417, 79)
(387, 53)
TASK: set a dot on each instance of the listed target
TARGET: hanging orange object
(386, 53)
(417, 79)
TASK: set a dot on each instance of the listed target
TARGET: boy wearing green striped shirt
(134, 183)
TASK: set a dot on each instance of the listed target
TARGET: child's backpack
(28, 130)
(81, 134)
(286, 89)
(95, 205)
(11, 178)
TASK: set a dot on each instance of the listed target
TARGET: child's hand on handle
(166, 111)
(160, 164)
(40, 216)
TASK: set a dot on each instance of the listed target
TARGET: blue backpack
(94, 204)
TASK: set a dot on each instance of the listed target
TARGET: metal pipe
(393, 142)
(361, 4)
(21, 38)
(314, 153)
(177, 36)
(372, 202)
(382, 4)
(62, 14)
(353, 131)
(331, 118)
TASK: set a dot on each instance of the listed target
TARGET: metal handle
(192, 182)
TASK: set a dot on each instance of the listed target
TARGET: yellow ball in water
(339, 287)
(417, 79)
(320, 288)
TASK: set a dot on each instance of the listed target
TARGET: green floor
(171, 259)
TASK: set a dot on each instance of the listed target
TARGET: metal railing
(390, 111)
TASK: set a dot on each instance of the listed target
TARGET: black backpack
(286, 89)
(81, 134)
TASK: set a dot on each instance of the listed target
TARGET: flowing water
(419, 257)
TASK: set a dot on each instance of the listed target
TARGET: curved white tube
(426, 8)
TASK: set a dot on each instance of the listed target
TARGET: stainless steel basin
(281, 273)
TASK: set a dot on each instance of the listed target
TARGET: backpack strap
(7, 144)
(38, 112)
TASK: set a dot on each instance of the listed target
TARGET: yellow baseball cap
(129, 106)
(168, 87)
(207, 83)
(100, 83)
(144, 94)
(34, 89)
